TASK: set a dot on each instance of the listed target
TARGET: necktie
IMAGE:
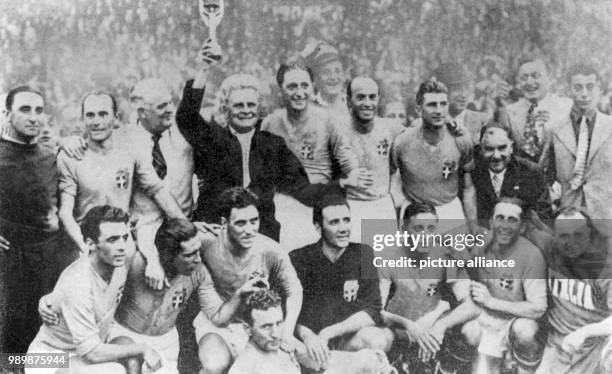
(496, 184)
(581, 155)
(159, 163)
(531, 143)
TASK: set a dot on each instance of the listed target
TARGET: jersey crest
(432, 289)
(351, 287)
(178, 299)
(122, 177)
(383, 147)
(307, 150)
(506, 284)
(448, 169)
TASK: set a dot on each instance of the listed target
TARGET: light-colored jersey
(86, 305)
(154, 312)
(255, 361)
(430, 173)
(526, 281)
(317, 142)
(105, 179)
(373, 150)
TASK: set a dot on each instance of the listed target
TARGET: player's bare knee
(471, 333)
(524, 332)
(371, 337)
(214, 354)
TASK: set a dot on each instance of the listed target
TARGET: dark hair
(90, 226)
(494, 125)
(169, 237)
(569, 210)
(284, 68)
(10, 97)
(235, 198)
(529, 59)
(429, 86)
(514, 201)
(349, 88)
(328, 199)
(99, 93)
(418, 208)
(260, 300)
(581, 69)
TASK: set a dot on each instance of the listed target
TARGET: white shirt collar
(239, 135)
(6, 136)
(500, 175)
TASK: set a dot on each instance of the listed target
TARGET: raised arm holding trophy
(211, 12)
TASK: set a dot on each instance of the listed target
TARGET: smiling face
(242, 227)
(336, 226)
(364, 99)
(533, 80)
(297, 89)
(434, 109)
(99, 117)
(330, 78)
(157, 112)
(506, 223)
(459, 96)
(496, 148)
(26, 116)
(242, 106)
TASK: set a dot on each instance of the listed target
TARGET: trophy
(211, 12)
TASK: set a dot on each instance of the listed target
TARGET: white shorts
(450, 215)
(494, 334)
(74, 361)
(381, 209)
(234, 334)
(297, 229)
(167, 345)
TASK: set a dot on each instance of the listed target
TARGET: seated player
(580, 286)
(341, 297)
(240, 261)
(86, 297)
(419, 313)
(266, 354)
(512, 298)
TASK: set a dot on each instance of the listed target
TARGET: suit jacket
(522, 179)
(596, 192)
(472, 123)
(218, 164)
(558, 108)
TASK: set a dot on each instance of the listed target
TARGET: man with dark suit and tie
(498, 173)
(582, 144)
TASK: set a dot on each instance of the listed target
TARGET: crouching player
(429, 337)
(580, 286)
(512, 298)
(85, 298)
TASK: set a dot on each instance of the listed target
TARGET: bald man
(370, 137)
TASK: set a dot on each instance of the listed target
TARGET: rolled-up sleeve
(67, 180)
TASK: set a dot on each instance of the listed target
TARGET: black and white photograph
(305, 187)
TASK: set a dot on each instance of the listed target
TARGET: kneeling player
(418, 313)
(579, 282)
(86, 296)
(512, 299)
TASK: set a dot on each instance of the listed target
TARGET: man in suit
(532, 118)
(239, 155)
(583, 149)
(460, 84)
(498, 173)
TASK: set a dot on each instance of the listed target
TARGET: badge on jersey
(448, 169)
(351, 287)
(307, 150)
(383, 147)
(122, 178)
(178, 299)
(506, 284)
(432, 289)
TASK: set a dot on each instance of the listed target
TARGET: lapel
(234, 153)
(565, 134)
(601, 133)
(257, 155)
(486, 183)
(510, 185)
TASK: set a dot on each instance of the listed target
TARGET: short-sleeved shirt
(105, 179)
(576, 302)
(334, 291)
(265, 259)
(418, 291)
(154, 312)
(317, 142)
(86, 304)
(526, 281)
(373, 150)
(255, 361)
(430, 173)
